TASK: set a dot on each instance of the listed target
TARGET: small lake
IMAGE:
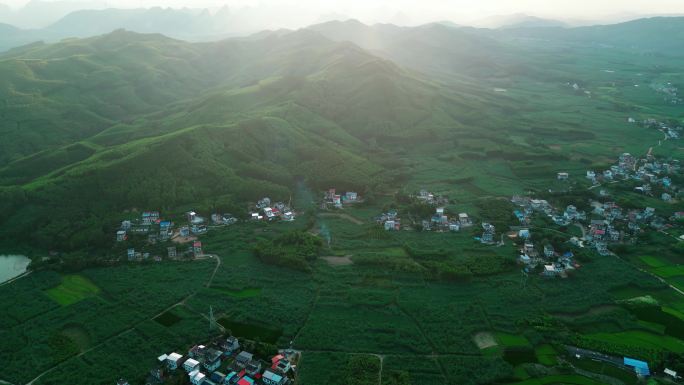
(12, 266)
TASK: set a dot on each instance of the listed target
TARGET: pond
(12, 266)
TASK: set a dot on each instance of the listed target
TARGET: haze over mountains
(51, 21)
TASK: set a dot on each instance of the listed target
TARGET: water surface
(12, 266)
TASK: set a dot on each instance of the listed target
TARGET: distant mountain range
(39, 13)
(202, 25)
(517, 20)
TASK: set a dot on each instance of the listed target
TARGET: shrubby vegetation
(294, 250)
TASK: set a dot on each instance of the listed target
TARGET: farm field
(73, 288)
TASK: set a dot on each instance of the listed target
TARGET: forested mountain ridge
(176, 123)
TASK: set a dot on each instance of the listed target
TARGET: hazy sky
(414, 11)
(555, 7)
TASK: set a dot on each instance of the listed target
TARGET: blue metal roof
(640, 367)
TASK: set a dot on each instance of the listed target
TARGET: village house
(150, 217)
(263, 203)
(184, 231)
(522, 217)
(562, 176)
(173, 360)
(392, 225)
(268, 212)
(464, 220)
(243, 358)
(122, 381)
(125, 225)
(273, 377)
(525, 259)
(130, 254)
(164, 230)
(190, 365)
(198, 229)
(230, 345)
(487, 233)
(121, 235)
(217, 377)
(337, 201)
(426, 196)
(549, 252)
(576, 242)
(529, 250)
(280, 363)
(253, 367)
(602, 248)
(351, 196)
(197, 248)
(666, 197)
(171, 252)
(560, 220)
(216, 219)
(591, 175)
(550, 270)
(197, 377)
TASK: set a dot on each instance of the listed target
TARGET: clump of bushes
(296, 250)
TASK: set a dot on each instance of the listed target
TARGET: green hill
(127, 120)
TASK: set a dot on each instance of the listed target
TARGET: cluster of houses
(266, 210)
(157, 229)
(222, 362)
(430, 198)
(555, 263)
(669, 131)
(670, 92)
(332, 199)
(607, 223)
(389, 220)
(440, 221)
(648, 171)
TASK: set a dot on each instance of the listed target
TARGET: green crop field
(546, 355)
(560, 380)
(641, 339)
(653, 261)
(72, 289)
(511, 340)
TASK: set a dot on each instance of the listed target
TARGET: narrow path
(382, 359)
(343, 216)
(213, 274)
(22, 275)
(399, 355)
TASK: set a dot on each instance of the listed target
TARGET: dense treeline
(295, 250)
